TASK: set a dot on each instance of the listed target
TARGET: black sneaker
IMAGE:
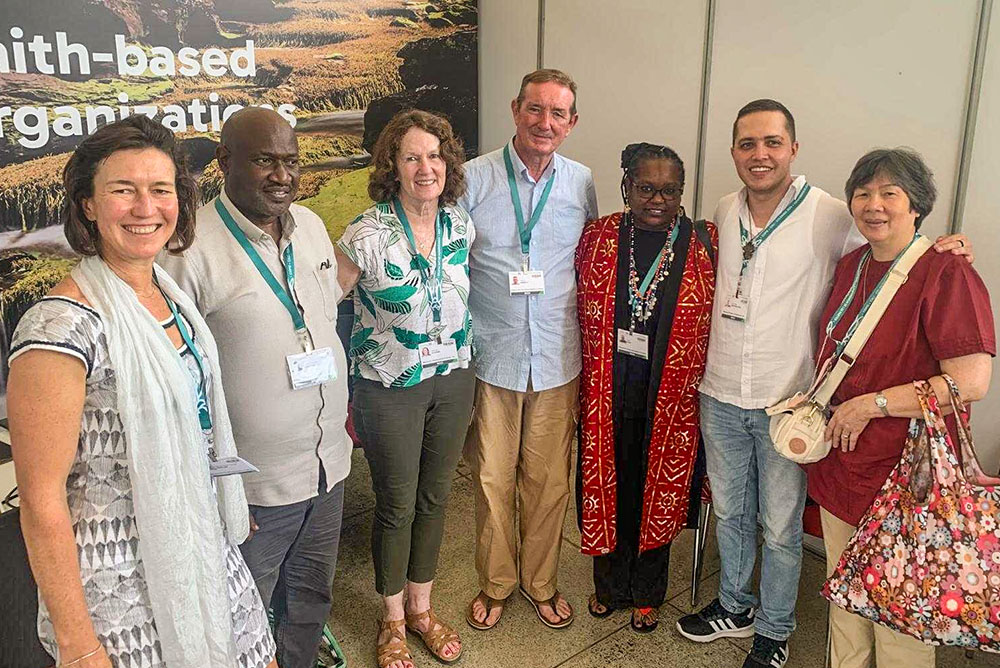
(767, 653)
(713, 621)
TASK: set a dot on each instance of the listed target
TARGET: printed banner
(336, 70)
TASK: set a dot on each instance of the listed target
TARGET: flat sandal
(490, 604)
(434, 638)
(394, 649)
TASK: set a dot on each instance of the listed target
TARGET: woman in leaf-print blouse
(411, 358)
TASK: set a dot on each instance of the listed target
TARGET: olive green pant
(412, 439)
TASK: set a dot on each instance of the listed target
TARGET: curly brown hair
(133, 132)
(383, 184)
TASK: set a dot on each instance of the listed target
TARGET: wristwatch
(882, 403)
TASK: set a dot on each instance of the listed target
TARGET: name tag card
(633, 343)
(433, 353)
(312, 368)
(736, 308)
(526, 282)
(231, 466)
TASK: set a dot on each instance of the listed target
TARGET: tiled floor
(520, 640)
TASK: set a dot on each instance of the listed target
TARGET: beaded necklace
(643, 303)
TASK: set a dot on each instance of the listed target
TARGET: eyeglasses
(648, 192)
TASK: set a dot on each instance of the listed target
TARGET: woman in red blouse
(940, 321)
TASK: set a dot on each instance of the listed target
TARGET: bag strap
(897, 276)
(701, 231)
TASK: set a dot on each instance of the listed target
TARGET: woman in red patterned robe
(645, 284)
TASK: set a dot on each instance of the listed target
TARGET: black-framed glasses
(648, 192)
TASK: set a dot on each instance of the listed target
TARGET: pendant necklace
(643, 302)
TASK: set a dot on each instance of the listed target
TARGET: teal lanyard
(204, 417)
(750, 246)
(432, 285)
(288, 262)
(667, 245)
(849, 297)
(524, 231)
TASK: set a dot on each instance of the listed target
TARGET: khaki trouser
(519, 451)
(853, 639)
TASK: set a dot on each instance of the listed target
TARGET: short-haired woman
(411, 357)
(940, 321)
(116, 414)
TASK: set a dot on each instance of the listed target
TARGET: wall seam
(971, 116)
(706, 79)
(540, 55)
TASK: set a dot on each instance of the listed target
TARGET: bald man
(263, 273)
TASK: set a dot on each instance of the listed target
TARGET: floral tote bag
(925, 559)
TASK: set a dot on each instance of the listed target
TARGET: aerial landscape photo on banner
(336, 70)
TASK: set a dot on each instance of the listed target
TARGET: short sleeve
(592, 212)
(353, 240)
(61, 325)
(458, 211)
(957, 316)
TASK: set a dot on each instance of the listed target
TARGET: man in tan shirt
(263, 273)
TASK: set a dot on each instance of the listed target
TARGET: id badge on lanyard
(633, 343)
(311, 368)
(526, 281)
(305, 369)
(230, 466)
(432, 353)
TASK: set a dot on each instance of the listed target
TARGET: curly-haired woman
(411, 358)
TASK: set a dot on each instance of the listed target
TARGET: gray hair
(905, 168)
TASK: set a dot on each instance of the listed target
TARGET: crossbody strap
(895, 279)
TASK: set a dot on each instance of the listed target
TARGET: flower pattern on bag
(929, 567)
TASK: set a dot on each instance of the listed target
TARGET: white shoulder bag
(798, 423)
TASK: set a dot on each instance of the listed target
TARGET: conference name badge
(736, 308)
(231, 466)
(433, 353)
(633, 343)
(526, 282)
(311, 368)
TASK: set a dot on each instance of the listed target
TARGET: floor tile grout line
(588, 647)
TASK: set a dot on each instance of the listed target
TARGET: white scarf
(181, 540)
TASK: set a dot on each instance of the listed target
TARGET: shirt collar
(253, 232)
(798, 182)
(522, 169)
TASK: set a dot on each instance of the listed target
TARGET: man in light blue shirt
(529, 205)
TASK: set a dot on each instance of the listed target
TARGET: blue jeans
(749, 478)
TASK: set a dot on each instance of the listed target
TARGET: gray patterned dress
(99, 494)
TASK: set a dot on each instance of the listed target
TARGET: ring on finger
(962, 242)
(845, 435)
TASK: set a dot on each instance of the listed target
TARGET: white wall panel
(856, 75)
(638, 67)
(982, 215)
(508, 49)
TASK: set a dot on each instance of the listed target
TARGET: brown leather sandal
(562, 623)
(437, 635)
(394, 649)
(490, 604)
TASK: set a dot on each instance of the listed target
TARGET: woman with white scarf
(119, 427)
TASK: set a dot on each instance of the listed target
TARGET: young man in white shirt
(780, 239)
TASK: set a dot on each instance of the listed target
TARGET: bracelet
(85, 656)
